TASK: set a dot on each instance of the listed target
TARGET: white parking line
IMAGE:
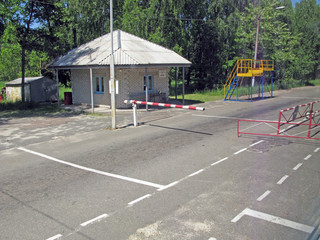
(263, 196)
(55, 237)
(134, 180)
(282, 179)
(307, 157)
(97, 219)
(316, 150)
(195, 173)
(297, 166)
(256, 143)
(139, 199)
(273, 219)
(240, 151)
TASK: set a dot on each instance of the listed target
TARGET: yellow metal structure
(248, 68)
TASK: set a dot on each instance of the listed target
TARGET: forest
(212, 34)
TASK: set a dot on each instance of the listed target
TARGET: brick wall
(130, 85)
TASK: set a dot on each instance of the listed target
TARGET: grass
(62, 90)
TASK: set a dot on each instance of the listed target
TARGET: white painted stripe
(168, 186)
(282, 179)
(240, 151)
(263, 196)
(55, 237)
(307, 157)
(197, 172)
(94, 170)
(139, 199)
(297, 167)
(97, 219)
(316, 150)
(274, 219)
(217, 162)
(256, 143)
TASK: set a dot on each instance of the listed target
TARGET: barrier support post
(238, 128)
(278, 132)
(134, 108)
(310, 123)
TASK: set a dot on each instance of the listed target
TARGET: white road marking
(217, 162)
(256, 143)
(195, 173)
(263, 196)
(316, 150)
(273, 219)
(240, 151)
(97, 219)
(168, 186)
(282, 179)
(307, 157)
(134, 180)
(139, 199)
(297, 167)
(55, 237)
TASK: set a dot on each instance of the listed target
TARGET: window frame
(100, 85)
(151, 80)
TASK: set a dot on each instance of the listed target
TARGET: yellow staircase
(248, 68)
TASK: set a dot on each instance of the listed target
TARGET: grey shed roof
(128, 50)
(26, 80)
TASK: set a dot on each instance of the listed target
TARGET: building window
(99, 85)
(150, 83)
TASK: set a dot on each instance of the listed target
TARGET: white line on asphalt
(273, 219)
(316, 150)
(297, 167)
(168, 186)
(134, 180)
(97, 219)
(240, 151)
(55, 237)
(217, 162)
(139, 199)
(282, 179)
(256, 143)
(307, 157)
(263, 196)
(195, 173)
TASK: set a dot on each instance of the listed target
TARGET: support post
(310, 123)
(91, 90)
(279, 123)
(272, 84)
(134, 108)
(57, 79)
(182, 85)
(147, 87)
(113, 92)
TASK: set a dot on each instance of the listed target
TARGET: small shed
(37, 89)
(138, 63)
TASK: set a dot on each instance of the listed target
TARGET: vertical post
(271, 84)
(147, 87)
(310, 123)
(262, 86)
(57, 79)
(279, 121)
(113, 94)
(134, 108)
(175, 83)
(238, 127)
(91, 90)
(252, 80)
(182, 85)
(256, 47)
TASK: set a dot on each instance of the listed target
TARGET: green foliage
(211, 34)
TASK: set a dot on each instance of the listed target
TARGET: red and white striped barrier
(302, 105)
(164, 105)
(135, 103)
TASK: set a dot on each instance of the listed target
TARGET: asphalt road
(179, 175)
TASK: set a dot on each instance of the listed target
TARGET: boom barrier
(135, 103)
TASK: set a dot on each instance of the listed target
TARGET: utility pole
(112, 81)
